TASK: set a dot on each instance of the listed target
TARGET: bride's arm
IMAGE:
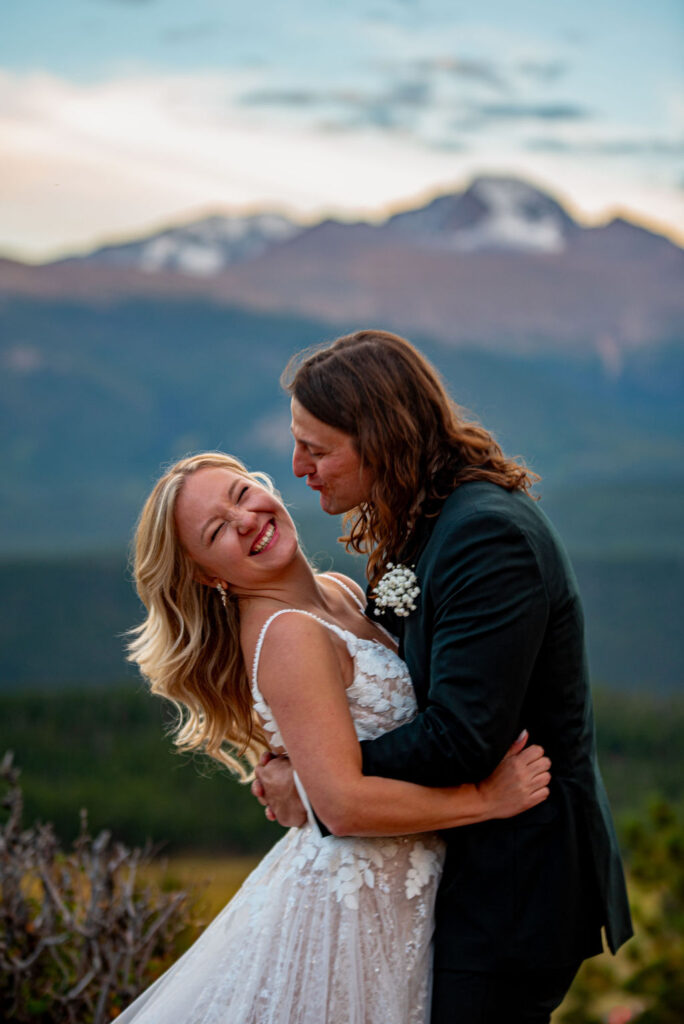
(300, 677)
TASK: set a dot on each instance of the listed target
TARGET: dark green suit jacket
(496, 644)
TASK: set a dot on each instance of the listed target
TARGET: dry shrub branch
(80, 934)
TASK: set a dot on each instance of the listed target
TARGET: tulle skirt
(324, 931)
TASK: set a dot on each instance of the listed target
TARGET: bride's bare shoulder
(348, 583)
(280, 631)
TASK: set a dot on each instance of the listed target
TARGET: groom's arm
(489, 608)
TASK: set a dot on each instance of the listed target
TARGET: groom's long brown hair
(376, 387)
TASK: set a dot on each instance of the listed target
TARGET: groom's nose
(302, 463)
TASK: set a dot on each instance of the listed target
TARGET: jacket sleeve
(486, 609)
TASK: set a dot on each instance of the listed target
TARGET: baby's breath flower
(397, 590)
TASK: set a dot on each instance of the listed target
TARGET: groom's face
(328, 459)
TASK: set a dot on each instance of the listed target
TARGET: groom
(494, 644)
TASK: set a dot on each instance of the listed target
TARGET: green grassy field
(213, 880)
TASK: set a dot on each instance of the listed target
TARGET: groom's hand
(275, 789)
(519, 782)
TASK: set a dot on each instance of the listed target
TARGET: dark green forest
(64, 619)
(106, 750)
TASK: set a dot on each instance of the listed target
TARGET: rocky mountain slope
(501, 265)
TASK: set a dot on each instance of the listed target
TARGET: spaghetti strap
(390, 636)
(327, 576)
(342, 633)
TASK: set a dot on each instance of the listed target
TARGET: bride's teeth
(265, 539)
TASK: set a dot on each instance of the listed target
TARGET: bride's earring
(222, 594)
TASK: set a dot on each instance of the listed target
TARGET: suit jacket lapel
(388, 619)
(421, 536)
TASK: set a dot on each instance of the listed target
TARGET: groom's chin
(328, 505)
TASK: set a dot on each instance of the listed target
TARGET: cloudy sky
(119, 116)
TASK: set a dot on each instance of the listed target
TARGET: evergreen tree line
(109, 751)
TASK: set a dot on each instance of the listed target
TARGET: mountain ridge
(500, 265)
(482, 199)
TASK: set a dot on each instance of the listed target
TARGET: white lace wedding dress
(325, 930)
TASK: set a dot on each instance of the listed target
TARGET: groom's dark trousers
(521, 997)
(495, 645)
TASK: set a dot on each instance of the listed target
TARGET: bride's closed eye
(221, 525)
(216, 532)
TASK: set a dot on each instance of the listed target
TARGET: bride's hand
(521, 781)
(275, 789)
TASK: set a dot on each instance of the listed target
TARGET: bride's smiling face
(234, 530)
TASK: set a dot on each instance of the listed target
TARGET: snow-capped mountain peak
(493, 213)
(203, 248)
(516, 216)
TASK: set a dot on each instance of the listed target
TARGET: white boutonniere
(396, 591)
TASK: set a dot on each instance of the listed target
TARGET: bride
(260, 653)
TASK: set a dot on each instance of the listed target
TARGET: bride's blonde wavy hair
(188, 647)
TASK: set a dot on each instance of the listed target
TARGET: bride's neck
(297, 587)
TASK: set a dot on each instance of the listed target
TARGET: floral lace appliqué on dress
(326, 930)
